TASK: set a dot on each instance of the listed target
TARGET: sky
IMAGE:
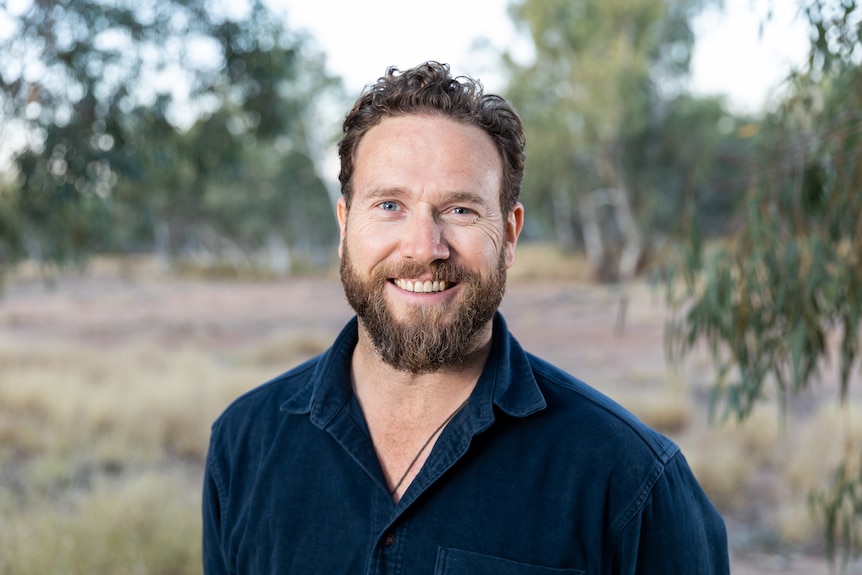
(361, 39)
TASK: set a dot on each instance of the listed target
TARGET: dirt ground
(573, 326)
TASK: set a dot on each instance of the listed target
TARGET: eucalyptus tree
(605, 78)
(772, 297)
(170, 120)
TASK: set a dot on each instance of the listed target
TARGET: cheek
(480, 256)
(367, 244)
(489, 241)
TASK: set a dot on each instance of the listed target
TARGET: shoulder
(596, 417)
(644, 475)
(263, 404)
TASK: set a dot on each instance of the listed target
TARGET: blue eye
(389, 206)
(462, 211)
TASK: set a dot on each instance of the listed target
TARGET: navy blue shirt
(539, 474)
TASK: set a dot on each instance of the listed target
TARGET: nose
(424, 239)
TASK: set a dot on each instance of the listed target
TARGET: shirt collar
(507, 381)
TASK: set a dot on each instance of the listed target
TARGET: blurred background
(167, 241)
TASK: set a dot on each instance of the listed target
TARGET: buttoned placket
(391, 522)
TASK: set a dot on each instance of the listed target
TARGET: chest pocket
(457, 562)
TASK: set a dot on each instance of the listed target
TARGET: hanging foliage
(769, 300)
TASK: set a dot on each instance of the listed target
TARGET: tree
(767, 301)
(149, 122)
(604, 81)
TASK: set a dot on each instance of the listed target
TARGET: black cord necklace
(425, 445)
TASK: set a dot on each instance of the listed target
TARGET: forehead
(425, 150)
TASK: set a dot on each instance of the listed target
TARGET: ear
(514, 224)
(341, 215)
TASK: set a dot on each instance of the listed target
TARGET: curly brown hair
(431, 89)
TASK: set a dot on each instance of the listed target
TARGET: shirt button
(388, 539)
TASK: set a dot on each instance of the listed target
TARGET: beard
(429, 337)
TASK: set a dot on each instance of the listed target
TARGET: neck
(381, 388)
(407, 412)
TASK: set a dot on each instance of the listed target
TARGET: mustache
(439, 271)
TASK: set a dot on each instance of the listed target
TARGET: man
(425, 440)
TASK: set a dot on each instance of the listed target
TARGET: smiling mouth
(418, 286)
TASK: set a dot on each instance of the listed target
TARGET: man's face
(425, 254)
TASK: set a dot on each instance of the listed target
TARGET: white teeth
(421, 287)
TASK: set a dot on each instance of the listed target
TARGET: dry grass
(727, 457)
(138, 402)
(763, 469)
(145, 523)
(101, 452)
(549, 262)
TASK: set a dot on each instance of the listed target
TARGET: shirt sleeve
(214, 558)
(677, 531)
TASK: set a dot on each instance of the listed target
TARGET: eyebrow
(469, 198)
(385, 193)
(457, 197)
